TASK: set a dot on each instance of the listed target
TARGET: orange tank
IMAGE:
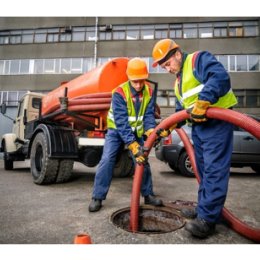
(99, 80)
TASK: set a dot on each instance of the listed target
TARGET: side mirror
(3, 108)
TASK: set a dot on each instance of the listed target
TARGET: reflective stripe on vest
(136, 122)
(191, 88)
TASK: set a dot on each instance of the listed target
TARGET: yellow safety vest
(191, 88)
(136, 122)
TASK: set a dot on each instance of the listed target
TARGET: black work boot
(152, 200)
(95, 205)
(189, 213)
(200, 227)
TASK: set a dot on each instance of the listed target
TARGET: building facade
(38, 53)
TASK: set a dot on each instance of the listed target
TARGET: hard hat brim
(139, 77)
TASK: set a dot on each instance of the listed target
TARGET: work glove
(198, 112)
(147, 133)
(138, 152)
(165, 132)
(161, 133)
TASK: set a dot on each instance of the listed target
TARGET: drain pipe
(236, 118)
(96, 43)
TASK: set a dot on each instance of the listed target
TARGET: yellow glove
(165, 132)
(147, 133)
(198, 113)
(137, 151)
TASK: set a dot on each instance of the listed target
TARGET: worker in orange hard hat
(131, 116)
(202, 82)
(163, 50)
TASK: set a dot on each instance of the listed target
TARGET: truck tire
(124, 165)
(64, 171)
(44, 170)
(184, 165)
(8, 164)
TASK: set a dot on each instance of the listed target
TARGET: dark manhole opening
(152, 220)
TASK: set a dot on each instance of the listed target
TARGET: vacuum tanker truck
(65, 125)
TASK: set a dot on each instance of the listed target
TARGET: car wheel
(172, 166)
(124, 166)
(256, 168)
(184, 165)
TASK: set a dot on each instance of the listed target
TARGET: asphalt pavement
(54, 214)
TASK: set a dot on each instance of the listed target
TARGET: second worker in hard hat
(202, 82)
(131, 115)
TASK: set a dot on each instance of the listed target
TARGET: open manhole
(152, 220)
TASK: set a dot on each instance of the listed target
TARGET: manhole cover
(152, 220)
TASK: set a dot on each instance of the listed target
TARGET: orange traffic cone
(82, 239)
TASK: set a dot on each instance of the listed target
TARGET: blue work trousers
(213, 145)
(103, 177)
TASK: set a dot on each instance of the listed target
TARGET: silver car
(246, 151)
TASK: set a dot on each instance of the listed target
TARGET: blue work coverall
(116, 139)
(213, 139)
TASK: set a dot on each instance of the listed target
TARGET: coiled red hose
(236, 118)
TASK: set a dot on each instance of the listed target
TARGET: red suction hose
(236, 118)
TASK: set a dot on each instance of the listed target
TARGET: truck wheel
(124, 166)
(64, 171)
(8, 164)
(43, 169)
(184, 165)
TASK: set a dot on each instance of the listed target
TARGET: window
(24, 67)
(2, 63)
(235, 29)
(78, 34)
(14, 67)
(53, 35)
(132, 32)
(220, 29)
(49, 66)
(76, 65)
(65, 66)
(161, 31)
(147, 32)
(64, 37)
(250, 28)
(190, 30)
(36, 102)
(253, 62)
(27, 36)
(38, 66)
(105, 36)
(15, 37)
(175, 31)
(241, 63)
(90, 34)
(223, 59)
(251, 98)
(40, 35)
(248, 98)
(232, 63)
(119, 32)
(205, 30)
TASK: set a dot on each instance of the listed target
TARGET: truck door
(33, 108)
(18, 127)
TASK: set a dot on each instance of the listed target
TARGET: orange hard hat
(162, 48)
(137, 69)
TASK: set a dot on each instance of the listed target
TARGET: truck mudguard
(61, 141)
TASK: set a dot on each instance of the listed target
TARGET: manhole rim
(149, 207)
